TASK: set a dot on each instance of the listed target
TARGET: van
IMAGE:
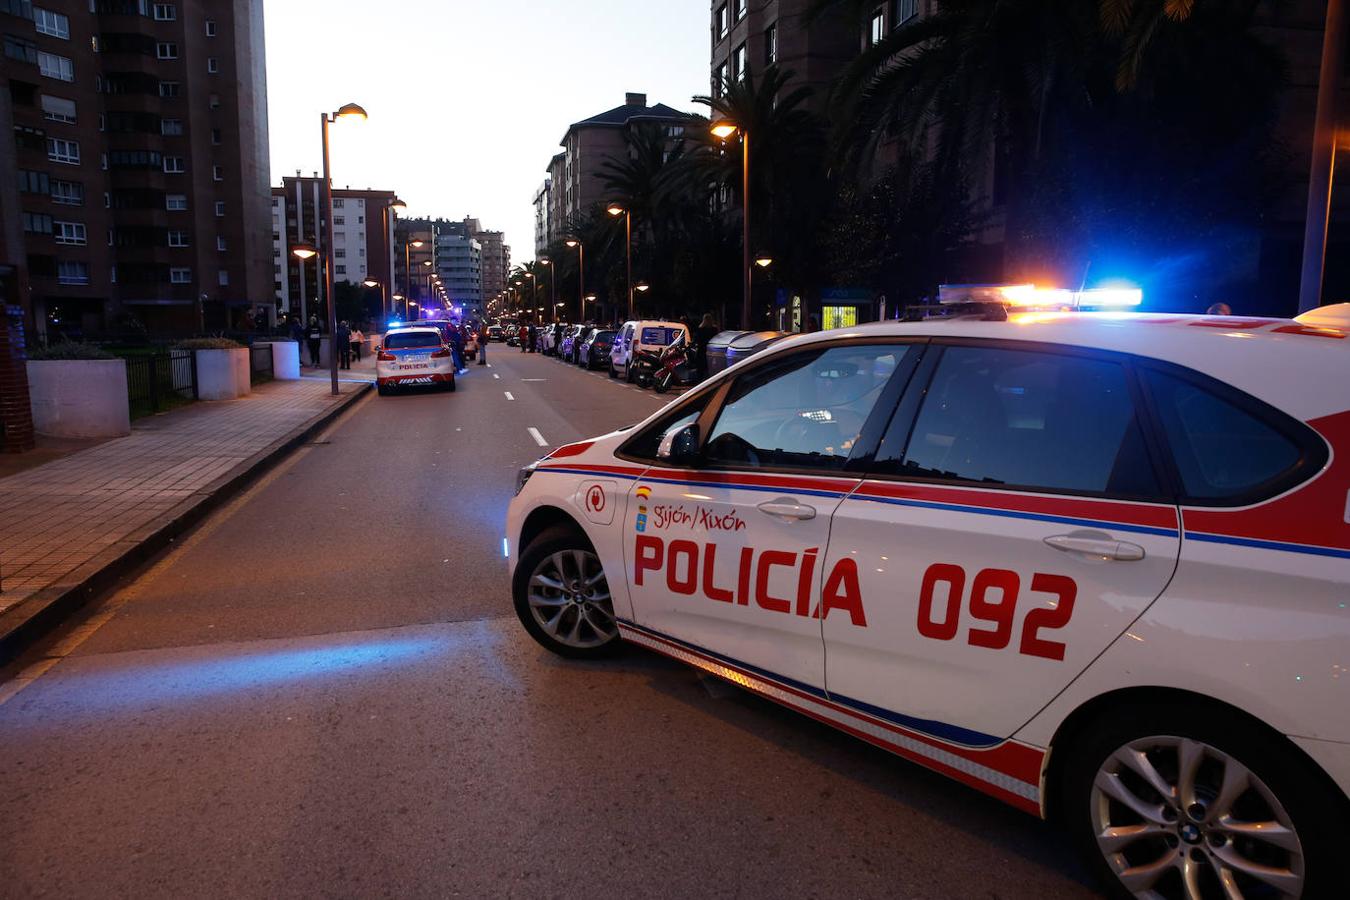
(634, 337)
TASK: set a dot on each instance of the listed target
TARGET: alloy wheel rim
(569, 599)
(1178, 818)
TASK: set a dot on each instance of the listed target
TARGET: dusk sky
(468, 100)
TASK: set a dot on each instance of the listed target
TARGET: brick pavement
(57, 519)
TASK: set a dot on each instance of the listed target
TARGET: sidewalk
(67, 528)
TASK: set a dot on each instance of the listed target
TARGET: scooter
(674, 365)
(644, 366)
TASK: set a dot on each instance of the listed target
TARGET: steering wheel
(796, 429)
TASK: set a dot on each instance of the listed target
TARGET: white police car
(1096, 565)
(414, 356)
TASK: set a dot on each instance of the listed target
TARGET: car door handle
(1098, 548)
(788, 509)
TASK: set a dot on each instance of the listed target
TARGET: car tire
(1102, 777)
(612, 373)
(450, 387)
(382, 390)
(661, 383)
(628, 373)
(584, 625)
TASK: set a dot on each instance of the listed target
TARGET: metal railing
(155, 380)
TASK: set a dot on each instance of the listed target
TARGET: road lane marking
(508, 395)
(538, 438)
(495, 375)
(534, 379)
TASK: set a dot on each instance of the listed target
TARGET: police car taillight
(383, 356)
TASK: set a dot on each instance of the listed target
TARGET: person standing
(457, 348)
(356, 341)
(344, 345)
(482, 344)
(297, 332)
(314, 334)
(705, 332)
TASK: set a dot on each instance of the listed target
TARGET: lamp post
(581, 277)
(552, 287)
(348, 111)
(394, 206)
(618, 209)
(1323, 165)
(723, 130)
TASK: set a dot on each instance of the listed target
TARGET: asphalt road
(322, 692)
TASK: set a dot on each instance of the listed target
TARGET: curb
(40, 613)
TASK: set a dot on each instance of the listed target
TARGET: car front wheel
(1191, 804)
(562, 596)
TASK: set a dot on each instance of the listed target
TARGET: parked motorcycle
(675, 364)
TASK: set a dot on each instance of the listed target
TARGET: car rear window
(1222, 451)
(409, 339)
(659, 335)
(604, 336)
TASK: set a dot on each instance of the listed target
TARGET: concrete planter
(79, 398)
(285, 360)
(222, 374)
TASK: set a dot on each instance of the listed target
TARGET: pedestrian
(482, 344)
(457, 349)
(357, 339)
(297, 332)
(314, 334)
(344, 344)
(532, 334)
(705, 332)
(524, 335)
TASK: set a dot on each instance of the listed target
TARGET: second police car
(1096, 565)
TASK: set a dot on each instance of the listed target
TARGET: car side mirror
(679, 446)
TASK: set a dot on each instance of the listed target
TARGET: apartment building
(135, 191)
(752, 36)
(496, 261)
(363, 240)
(576, 176)
(459, 262)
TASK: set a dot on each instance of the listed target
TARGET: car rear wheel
(1167, 802)
(562, 596)
(450, 386)
(612, 372)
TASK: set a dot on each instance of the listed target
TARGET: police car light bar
(1029, 296)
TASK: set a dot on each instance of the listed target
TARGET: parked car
(638, 336)
(414, 356)
(495, 333)
(583, 333)
(595, 351)
(569, 339)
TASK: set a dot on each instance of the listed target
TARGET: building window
(220, 243)
(57, 67)
(905, 10)
(212, 65)
(741, 63)
(218, 173)
(171, 126)
(341, 270)
(37, 223)
(58, 109)
(721, 21)
(339, 203)
(719, 80)
(70, 233)
(170, 89)
(770, 45)
(216, 136)
(220, 207)
(740, 9)
(214, 101)
(173, 165)
(223, 278)
(210, 27)
(68, 193)
(63, 151)
(175, 202)
(876, 28)
(52, 24)
(340, 253)
(165, 12)
(18, 48)
(180, 276)
(339, 220)
(33, 182)
(178, 238)
(69, 272)
(166, 50)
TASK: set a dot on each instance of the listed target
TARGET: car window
(804, 411)
(407, 339)
(1221, 450)
(645, 443)
(1029, 419)
(659, 335)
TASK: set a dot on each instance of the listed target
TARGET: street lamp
(616, 210)
(723, 130)
(394, 206)
(347, 111)
(581, 276)
(763, 260)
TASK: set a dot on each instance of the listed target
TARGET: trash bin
(751, 342)
(717, 349)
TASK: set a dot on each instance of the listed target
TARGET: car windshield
(604, 336)
(405, 340)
